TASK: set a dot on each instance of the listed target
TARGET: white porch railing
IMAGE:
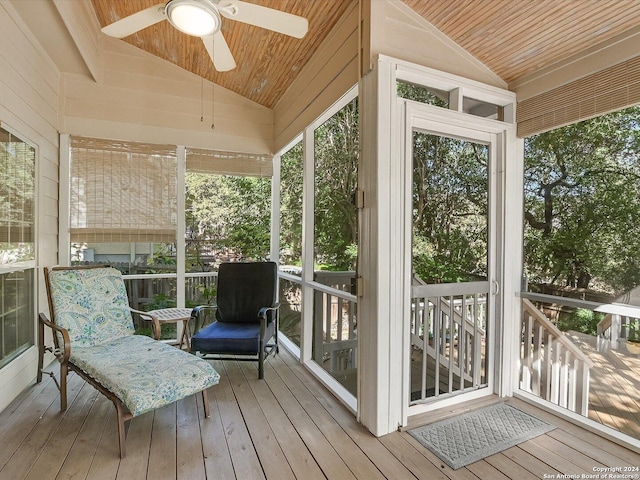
(616, 330)
(467, 315)
(335, 331)
(608, 332)
(448, 328)
(552, 367)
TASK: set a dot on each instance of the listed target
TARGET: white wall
(29, 85)
(146, 99)
(399, 32)
(330, 73)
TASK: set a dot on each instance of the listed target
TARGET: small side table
(170, 315)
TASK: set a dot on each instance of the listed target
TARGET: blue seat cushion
(231, 338)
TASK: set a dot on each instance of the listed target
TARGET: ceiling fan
(203, 18)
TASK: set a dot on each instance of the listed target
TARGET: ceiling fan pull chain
(201, 99)
(213, 105)
(213, 93)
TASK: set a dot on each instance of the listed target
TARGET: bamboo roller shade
(229, 163)
(608, 90)
(122, 192)
(127, 191)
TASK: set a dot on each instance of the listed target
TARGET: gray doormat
(478, 434)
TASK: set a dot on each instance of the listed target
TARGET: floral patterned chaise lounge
(94, 336)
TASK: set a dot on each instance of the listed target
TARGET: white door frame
(381, 308)
(441, 122)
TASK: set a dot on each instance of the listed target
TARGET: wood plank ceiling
(513, 38)
(267, 61)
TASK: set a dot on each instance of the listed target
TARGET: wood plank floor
(287, 426)
(614, 386)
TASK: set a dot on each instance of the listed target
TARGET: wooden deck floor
(614, 388)
(287, 426)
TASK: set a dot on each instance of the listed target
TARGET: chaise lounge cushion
(144, 373)
(92, 304)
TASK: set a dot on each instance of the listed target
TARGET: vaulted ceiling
(267, 62)
(513, 38)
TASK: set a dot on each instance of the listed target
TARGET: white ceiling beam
(82, 24)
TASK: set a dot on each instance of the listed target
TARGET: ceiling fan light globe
(193, 17)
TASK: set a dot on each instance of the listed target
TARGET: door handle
(496, 287)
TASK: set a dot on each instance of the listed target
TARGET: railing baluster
(528, 349)
(535, 366)
(452, 332)
(327, 315)
(339, 319)
(425, 352)
(564, 378)
(572, 393)
(555, 371)
(462, 342)
(437, 341)
(548, 361)
(352, 319)
(478, 313)
(415, 329)
(584, 390)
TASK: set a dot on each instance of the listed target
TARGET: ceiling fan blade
(136, 22)
(219, 52)
(276, 20)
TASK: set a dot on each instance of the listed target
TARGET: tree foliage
(291, 168)
(449, 209)
(449, 201)
(227, 213)
(582, 204)
(336, 182)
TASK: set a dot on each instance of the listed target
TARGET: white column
(275, 210)
(181, 167)
(380, 325)
(64, 201)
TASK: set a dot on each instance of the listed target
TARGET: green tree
(227, 213)
(291, 167)
(233, 213)
(582, 204)
(336, 183)
(449, 200)
(449, 209)
(419, 93)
